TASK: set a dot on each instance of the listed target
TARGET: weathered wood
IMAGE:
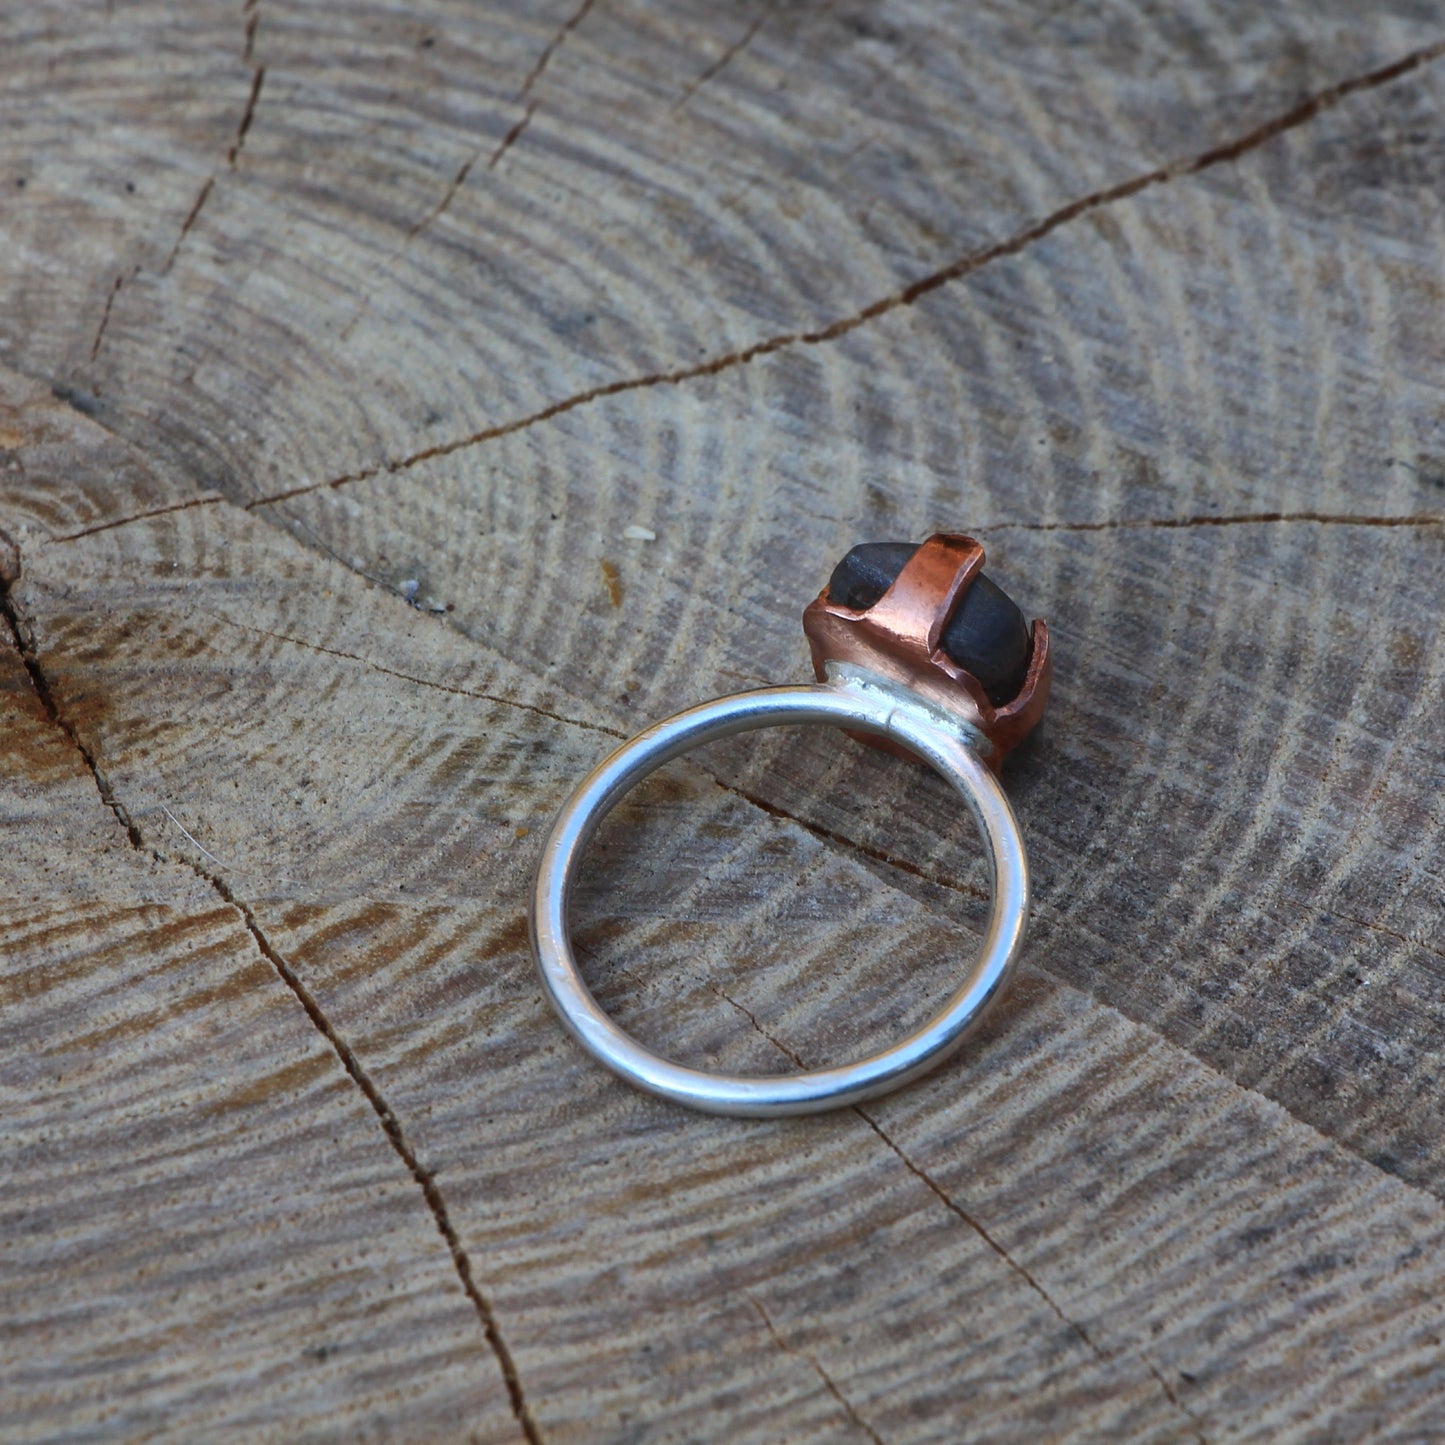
(306, 313)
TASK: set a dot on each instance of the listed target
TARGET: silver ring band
(852, 701)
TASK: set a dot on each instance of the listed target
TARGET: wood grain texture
(351, 355)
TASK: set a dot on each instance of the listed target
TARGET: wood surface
(399, 404)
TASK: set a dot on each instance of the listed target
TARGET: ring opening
(723, 919)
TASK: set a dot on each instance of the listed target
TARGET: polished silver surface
(852, 699)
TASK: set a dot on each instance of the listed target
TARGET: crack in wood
(851, 845)
(1224, 153)
(210, 500)
(258, 79)
(191, 217)
(367, 662)
(105, 315)
(513, 135)
(829, 1384)
(722, 62)
(438, 210)
(466, 167)
(1423, 944)
(968, 1219)
(552, 46)
(444, 204)
(1235, 519)
(396, 1136)
(1172, 1395)
(23, 636)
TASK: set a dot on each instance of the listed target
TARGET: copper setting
(898, 639)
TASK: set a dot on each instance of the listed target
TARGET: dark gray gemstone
(986, 635)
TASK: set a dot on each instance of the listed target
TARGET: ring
(916, 651)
